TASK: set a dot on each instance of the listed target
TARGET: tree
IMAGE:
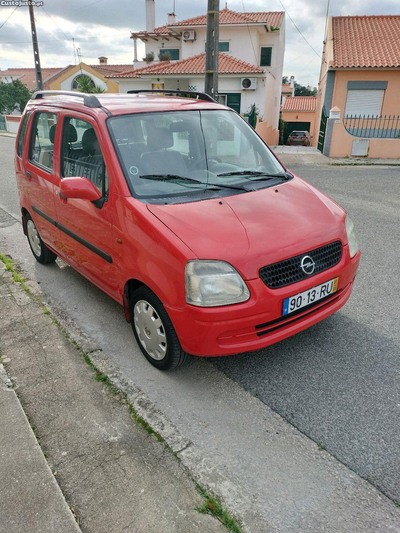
(300, 90)
(85, 84)
(13, 96)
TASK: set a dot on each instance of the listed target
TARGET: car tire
(41, 252)
(154, 332)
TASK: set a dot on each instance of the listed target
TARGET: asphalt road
(337, 382)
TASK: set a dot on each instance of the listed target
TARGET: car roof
(119, 104)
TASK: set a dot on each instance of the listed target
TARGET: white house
(251, 46)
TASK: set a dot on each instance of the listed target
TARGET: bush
(13, 96)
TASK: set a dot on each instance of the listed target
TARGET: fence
(383, 127)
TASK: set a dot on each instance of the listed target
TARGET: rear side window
(22, 135)
(42, 140)
(82, 155)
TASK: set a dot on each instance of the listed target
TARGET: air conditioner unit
(189, 35)
(249, 84)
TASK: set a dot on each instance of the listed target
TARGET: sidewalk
(118, 477)
(310, 155)
(113, 473)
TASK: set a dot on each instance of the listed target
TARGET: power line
(68, 38)
(9, 17)
(294, 24)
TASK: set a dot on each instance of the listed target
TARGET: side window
(42, 140)
(81, 154)
(22, 135)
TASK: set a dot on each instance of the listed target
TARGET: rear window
(42, 140)
(22, 135)
(298, 134)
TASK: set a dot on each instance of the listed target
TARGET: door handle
(28, 175)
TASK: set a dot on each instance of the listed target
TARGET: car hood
(256, 228)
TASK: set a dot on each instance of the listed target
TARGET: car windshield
(174, 157)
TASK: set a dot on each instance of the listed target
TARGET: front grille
(289, 271)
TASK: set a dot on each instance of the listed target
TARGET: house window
(364, 103)
(265, 56)
(85, 79)
(173, 53)
(223, 46)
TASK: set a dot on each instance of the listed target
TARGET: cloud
(103, 27)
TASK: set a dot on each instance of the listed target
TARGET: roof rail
(186, 94)
(89, 100)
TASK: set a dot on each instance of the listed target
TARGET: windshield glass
(191, 155)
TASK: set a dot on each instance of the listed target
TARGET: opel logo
(307, 265)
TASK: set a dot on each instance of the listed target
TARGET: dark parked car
(299, 138)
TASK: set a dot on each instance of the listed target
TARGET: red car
(179, 211)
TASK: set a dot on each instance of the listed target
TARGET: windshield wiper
(265, 175)
(167, 177)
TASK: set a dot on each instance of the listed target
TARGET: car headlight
(351, 236)
(214, 283)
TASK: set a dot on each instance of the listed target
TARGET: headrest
(158, 138)
(88, 140)
(52, 133)
(72, 136)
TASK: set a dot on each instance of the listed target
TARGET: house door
(231, 100)
(322, 129)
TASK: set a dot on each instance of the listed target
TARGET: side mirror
(79, 188)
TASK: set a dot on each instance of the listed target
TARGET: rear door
(38, 173)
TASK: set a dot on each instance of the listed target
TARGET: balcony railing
(368, 127)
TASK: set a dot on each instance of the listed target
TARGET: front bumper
(258, 322)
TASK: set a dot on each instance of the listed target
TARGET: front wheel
(40, 251)
(154, 331)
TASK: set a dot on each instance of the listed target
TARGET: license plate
(293, 303)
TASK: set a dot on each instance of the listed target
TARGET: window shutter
(364, 102)
(266, 55)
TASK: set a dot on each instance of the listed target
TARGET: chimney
(171, 18)
(292, 84)
(103, 60)
(150, 16)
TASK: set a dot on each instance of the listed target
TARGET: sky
(97, 28)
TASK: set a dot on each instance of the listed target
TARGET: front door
(86, 227)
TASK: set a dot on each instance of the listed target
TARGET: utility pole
(39, 81)
(212, 44)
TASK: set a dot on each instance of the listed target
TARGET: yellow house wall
(267, 133)
(112, 86)
(341, 143)
(301, 116)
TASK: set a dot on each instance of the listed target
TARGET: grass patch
(211, 505)
(321, 447)
(214, 507)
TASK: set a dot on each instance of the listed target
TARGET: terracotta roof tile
(226, 16)
(366, 41)
(300, 103)
(27, 76)
(286, 88)
(192, 65)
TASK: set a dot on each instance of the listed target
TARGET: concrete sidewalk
(114, 474)
(310, 155)
(119, 477)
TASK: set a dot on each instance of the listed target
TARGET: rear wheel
(40, 251)
(154, 331)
